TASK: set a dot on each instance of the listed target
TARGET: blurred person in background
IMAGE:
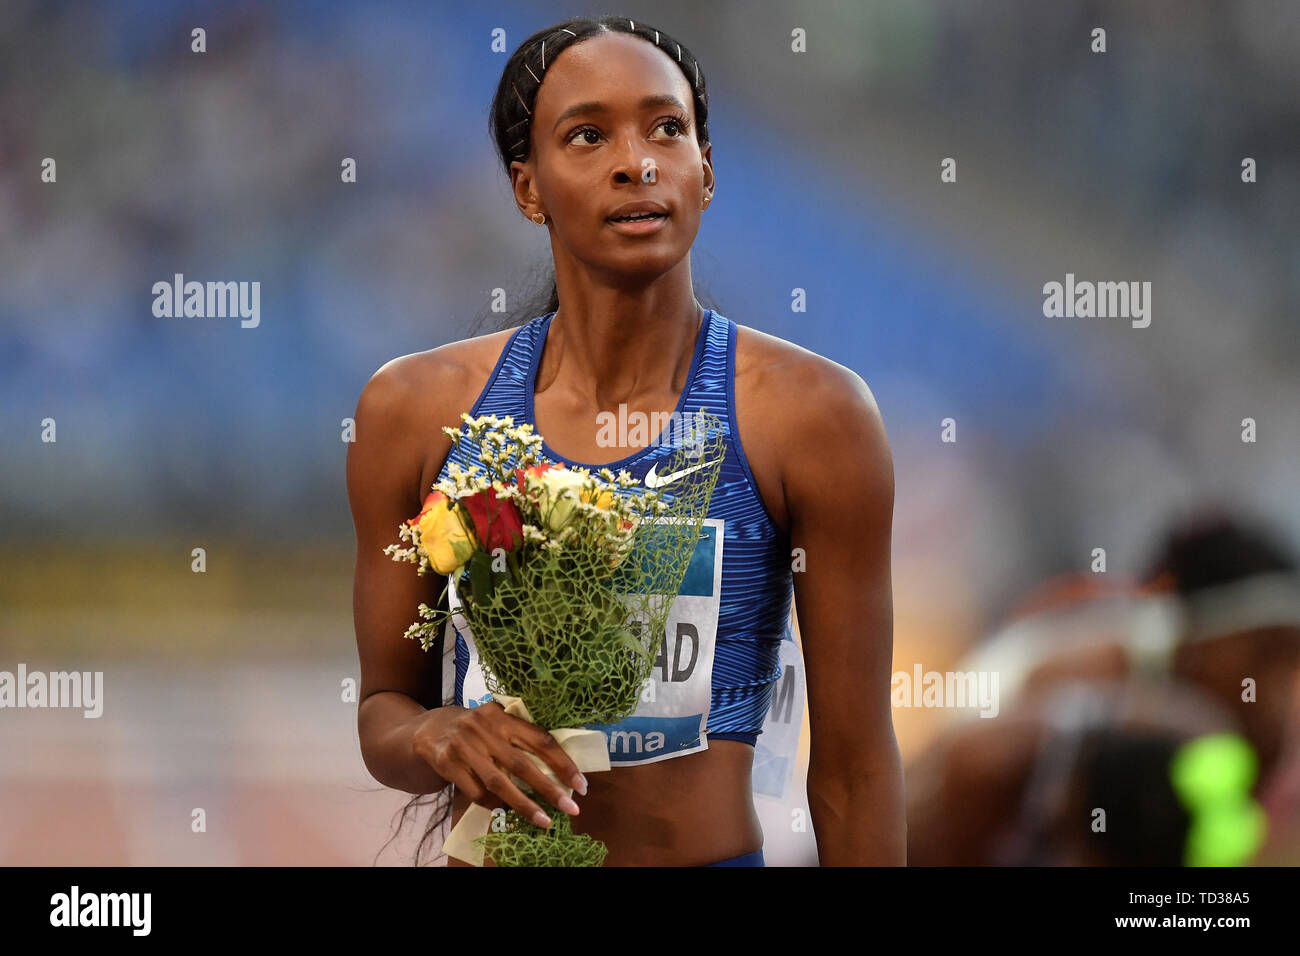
(1216, 616)
(1118, 773)
(1218, 607)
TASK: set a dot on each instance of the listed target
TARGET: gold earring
(539, 218)
(706, 202)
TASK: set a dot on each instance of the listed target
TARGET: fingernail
(568, 806)
(541, 819)
(581, 785)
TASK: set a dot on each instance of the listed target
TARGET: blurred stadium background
(223, 688)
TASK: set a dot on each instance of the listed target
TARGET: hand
(478, 748)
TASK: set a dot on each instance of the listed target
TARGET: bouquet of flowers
(565, 578)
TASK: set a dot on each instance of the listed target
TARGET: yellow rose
(444, 538)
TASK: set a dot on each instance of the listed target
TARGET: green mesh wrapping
(523, 843)
(575, 639)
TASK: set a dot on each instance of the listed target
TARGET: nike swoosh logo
(653, 480)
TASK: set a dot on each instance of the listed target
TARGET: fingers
(467, 782)
(517, 761)
(484, 746)
(535, 739)
(496, 780)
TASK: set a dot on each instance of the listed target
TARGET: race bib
(448, 665)
(672, 715)
(777, 749)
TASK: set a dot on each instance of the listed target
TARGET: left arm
(839, 488)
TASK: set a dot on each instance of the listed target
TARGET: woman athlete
(596, 121)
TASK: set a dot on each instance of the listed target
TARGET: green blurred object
(1213, 776)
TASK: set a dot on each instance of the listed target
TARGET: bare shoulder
(777, 364)
(419, 385)
(804, 420)
(805, 400)
(434, 372)
(409, 399)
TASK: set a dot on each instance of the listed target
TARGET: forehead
(615, 69)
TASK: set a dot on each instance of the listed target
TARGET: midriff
(683, 811)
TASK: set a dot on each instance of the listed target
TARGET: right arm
(408, 741)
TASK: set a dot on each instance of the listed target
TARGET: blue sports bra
(736, 617)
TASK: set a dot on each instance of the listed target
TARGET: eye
(680, 126)
(584, 129)
(679, 123)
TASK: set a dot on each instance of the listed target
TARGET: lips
(644, 211)
(638, 217)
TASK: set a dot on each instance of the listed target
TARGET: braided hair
(512, 107)
(510, 118)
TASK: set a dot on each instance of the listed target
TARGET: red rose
(497, 523)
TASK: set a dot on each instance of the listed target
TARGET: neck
(608, 346)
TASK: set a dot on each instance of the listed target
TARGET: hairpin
(521, 99)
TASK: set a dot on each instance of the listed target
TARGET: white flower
(557, 491)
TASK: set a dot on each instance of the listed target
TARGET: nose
(629, 153)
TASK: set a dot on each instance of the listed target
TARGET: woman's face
(613, 125)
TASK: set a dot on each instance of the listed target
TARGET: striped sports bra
(720, 659)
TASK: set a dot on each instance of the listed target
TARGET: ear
(521, 184)
(706, 159)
